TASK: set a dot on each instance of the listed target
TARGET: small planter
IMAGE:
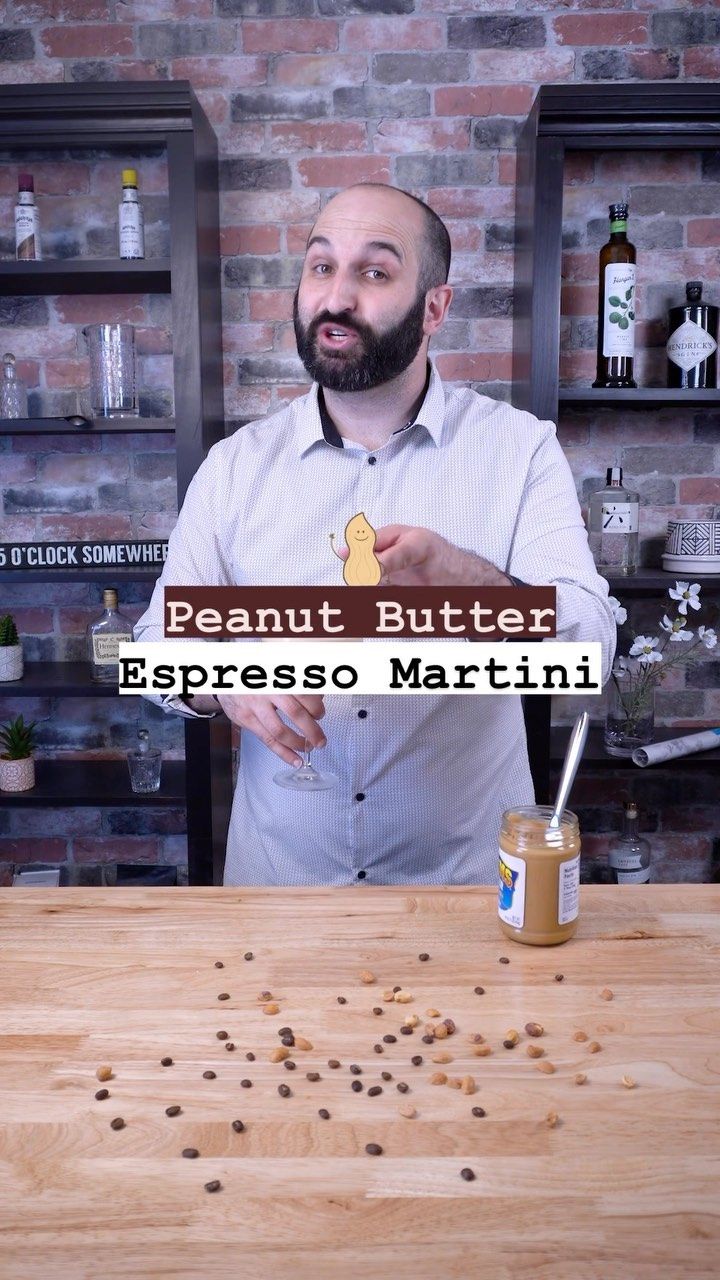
(17, 775)
(11, 662)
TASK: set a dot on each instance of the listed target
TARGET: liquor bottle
(103, 637)
(13, 396)
(692, 344)
(131, 221)
(616, 305)
(27, 221)
(613, 523)
(629, 853)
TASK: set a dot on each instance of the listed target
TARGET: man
(461, 489)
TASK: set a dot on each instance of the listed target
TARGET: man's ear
(437, 302)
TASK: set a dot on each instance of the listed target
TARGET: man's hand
(415, 557)
(257, 713)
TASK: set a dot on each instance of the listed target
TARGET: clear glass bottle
(27, 221)
(629, 853)
(103, 638)
(131, 221)
(693, 340)
(13, 396)
(616, 305)
(613, 523)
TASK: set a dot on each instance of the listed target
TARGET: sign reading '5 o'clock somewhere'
(83, 555)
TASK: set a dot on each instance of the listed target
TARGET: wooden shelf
(84, 275)
(111, 574)
(637, 398)
(596, 755)
(63, 783)
(57, 679)
(98, 426)
(647, 582)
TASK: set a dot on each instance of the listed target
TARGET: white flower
(708, 637)
(675, 628)
(643, 648)
(618, 612)
(686, 595)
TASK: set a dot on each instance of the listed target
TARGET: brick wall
(307, 96)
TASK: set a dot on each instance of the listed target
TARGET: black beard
(377, 357)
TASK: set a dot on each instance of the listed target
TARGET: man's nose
(341, 293)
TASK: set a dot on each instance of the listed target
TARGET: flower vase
(630, 720)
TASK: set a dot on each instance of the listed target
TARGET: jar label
(634, 877)
(620, 517)
(689, 345)
(106, 647)
(511, 891)
(569, 890)
(619, 318)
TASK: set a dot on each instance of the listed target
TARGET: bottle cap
(110, 598)
(693, 290)
(143, 745)
(614, 476)
(619, 212)
(25, 182)
(129, 177)
(631, 809)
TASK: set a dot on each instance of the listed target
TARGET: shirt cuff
(174, 702)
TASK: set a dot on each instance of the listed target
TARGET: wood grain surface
(624, 1187)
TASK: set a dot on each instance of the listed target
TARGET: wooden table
(626, 1185)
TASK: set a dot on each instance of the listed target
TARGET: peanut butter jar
(539, 867)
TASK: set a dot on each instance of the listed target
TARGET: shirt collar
(314, 423)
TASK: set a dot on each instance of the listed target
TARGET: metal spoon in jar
(573, 754)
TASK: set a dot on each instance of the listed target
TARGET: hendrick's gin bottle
(692, 342)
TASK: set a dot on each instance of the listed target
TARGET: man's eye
(320, 267)
(377, 272)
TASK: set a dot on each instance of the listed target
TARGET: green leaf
(614, 300)
(615, 317)
(631, 315)
(628, 292)
(623, 323)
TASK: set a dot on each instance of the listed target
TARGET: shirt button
(371, 462)
(360, 795)
(362, 715)
(361, 875)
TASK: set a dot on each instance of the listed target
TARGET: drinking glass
(112, 370)
(304, 777)
(144, 765)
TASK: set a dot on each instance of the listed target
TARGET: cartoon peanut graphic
(362, 567)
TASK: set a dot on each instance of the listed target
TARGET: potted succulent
(11, 654)
(17, 765)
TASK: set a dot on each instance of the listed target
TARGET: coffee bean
(118, 1123)
(373, 1149)
(428, 1039)
(423, 956)
(265, 996)
(285, 1031)
(324, 1115)
(289, 1065)
(284, 1090)
(288, 1041)
(402, 1087)
(406, 1031)
(209, 1075)
(478, 1111)
(386, 1075)
(250, 1057)
(333, 1062)
(376, 1089)
(341, 1000)
(417, 1060)
(173, 1111)
(238, 1126)
(503, 960)
(378, 1048)
(191, 1153)
(397, 989)
(377, 1010)
(246, 1084)
(102, 1094)
(221, 1035)
(166, 1062)
(390, 1039)
(229, 1046)
(249, 955)
(215, 1185)
(508, 1044)
(559, 977)
(219, 964)
(224, 995)
(355, 1069)
(479, 991)
(467, 1174)
(313, 1075)
(357, 1086)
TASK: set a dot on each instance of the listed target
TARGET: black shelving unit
(133, 119)
(565, 118)
(596, 756)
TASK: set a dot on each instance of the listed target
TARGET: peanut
(628, 1082)
(403, 997)
(455, 1082)
(482, 1051)
(476, 1038)
(388, 995)
(367, 976)
(442, 1057)
(594, 1047)
(580, 1078)
(534, 1051)
(429, 1028)
(440, 1031)
(412, 1020)
(279, 1055)
(534, 1028)
(302, 1043)
(580, 1036)
(432, 1013)
(513, 1036)
(408, 1111)
(271, 1008)
(467, 1084)
(545, 1066)
(104, 1073)
(265, 996)
(606, 994)
(438, 1077)
(551, 1119)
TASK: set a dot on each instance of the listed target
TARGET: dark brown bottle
(692, 341)
(616, 305)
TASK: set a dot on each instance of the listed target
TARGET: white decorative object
(17, 775)
(11, 662)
